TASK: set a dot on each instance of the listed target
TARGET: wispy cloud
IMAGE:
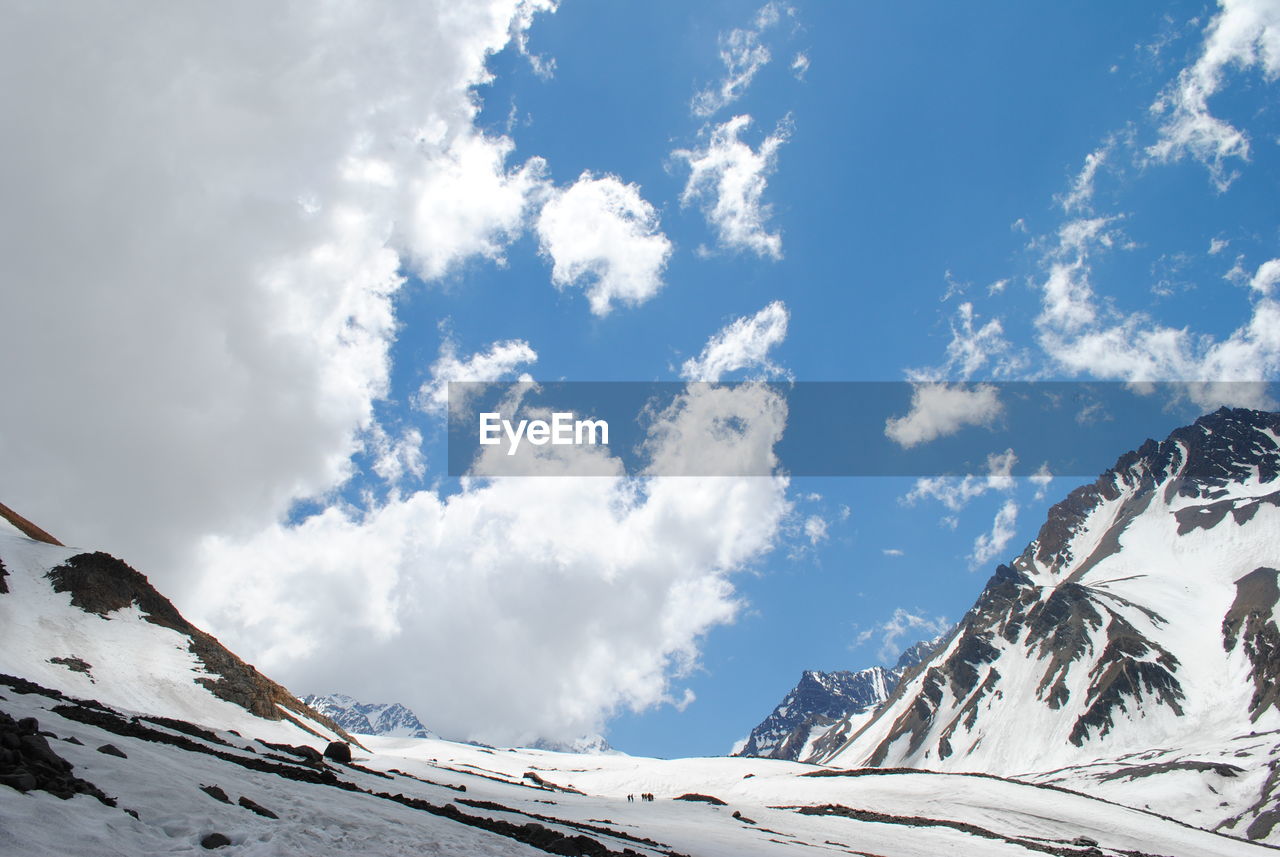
(743, 54)
(729, 179)
(903, 622)
(744, 343)
(498, 361)
(991, 544)
(1245, 34)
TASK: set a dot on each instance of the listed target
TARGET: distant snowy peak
(825, 708)
(1141, 616)
(392, 720)
(589, 745)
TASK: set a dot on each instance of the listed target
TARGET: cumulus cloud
(242, 187)
(893, 630)
(743, 54)
(939, 410)
(744, 343)
(499, 361)
(729, 178)
(600, 233)
(1245, 34)
(989, 545)
(566, 624)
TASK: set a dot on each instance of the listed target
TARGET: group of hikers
(645, 796)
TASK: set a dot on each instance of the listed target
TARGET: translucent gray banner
(589, 428)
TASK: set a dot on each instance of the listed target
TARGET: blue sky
(300, 238)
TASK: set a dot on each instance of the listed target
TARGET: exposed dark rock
(1251, 622)
(310, 755)
(76, 665)
(214, 840)
(254, 806)
(112, 750)
(693, 796)
(28, 763)
(1135, 772)
(338, 751)
(4, 572)
(216, 793)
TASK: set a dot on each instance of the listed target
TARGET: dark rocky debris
(338, 751)
(216, 793)
(112, 750)
(254, 806)
(28, 763)
(693, 796)
(215, 840)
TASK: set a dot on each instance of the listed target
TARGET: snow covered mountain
(88, 625)
(392, 720)
(824, 708)
(1132, 647)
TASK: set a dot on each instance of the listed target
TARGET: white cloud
(989, 545)
(939, 410)
(243, 186)
(893, 552)
(1082, 335)
(396, 457)
(744, 343)
(1266, 278)
(743, 56)
(602, 233)
(498, 362)
(1041, 479)
(956, 493)
(1243, 35)
(800, 65)
(815, 529)
(1217, 245)
(566, 624)
(730, 178)
(892, 631)
(1080, 196)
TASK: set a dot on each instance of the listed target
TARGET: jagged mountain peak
(390, 719)
(1141, 616)
(1228, 446)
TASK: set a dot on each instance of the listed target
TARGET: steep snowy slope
(90, 626)
(1140, 622)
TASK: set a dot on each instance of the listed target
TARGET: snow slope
(423, 797)
(140, 656)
